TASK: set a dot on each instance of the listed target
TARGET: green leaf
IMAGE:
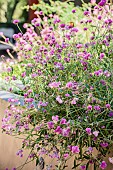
(37, 161)
(87, 165)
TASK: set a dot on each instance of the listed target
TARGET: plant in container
(67, 75)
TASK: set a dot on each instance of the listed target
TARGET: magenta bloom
(86, 12)
(110, 114)
(73, 11)
(58, 130)
(97, 108)
(103, 165)
(95, 133)
(65, 132)
(102, 3)
(16, 21)
(69, 85)
(62, 25)
(54, 84)
(75, 149)
(102, 55)
(59, 100)
(63, 121)
(55, 118)
(23, 74)
(66, 155)
(88, 131)
(89, 107)
(108, 106)
(50, 125)
(83, 167)
(104, 144)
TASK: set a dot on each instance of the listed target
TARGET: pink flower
(102, 3)
(95, 133)
(75, 149)
(15, 21)
(54, 84)
(93, 1)
(50, 125)
(74, 101)
(103, 165)
(63, 121)
(66, 131)
(59, 100)
(66, 155)
(89, 107)
(104, 144)
(58, 130)
(23, 74)
(111, 160)
(108, 106)
(110, 114)
(83, 167)
(69, 85)
(102, 55)
(55, 118)
(88, 131)
(107, 73)
(97, 108)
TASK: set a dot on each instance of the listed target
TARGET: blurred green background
(12, 9)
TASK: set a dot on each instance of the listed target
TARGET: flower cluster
(67, 76)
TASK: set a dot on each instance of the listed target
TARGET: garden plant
(67, 73)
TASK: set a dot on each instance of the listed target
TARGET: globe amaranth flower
(108, 106)
(55, 118)
(88, 131)
(69, 85)
(58, 130)
(63, 121)
(83, 167)
(73, 10)
(102, 3)
(97, 108)
(59, 100)
(62, 25)
(103, 165)
(66, 131)
(54, 84)
(86, 13)
(104, 144)
(102, 55)
(16, 21)
(89, 107)
(95, 133)
(110, 114)
(74, 101)
(75, 149)
(50, 125)
(65, 155)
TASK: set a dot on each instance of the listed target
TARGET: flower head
(75, 149)
(88, 131)
(102, 3)
(103, 165)
(16, 21)
(83, 167)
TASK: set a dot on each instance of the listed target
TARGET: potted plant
(68, 107)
